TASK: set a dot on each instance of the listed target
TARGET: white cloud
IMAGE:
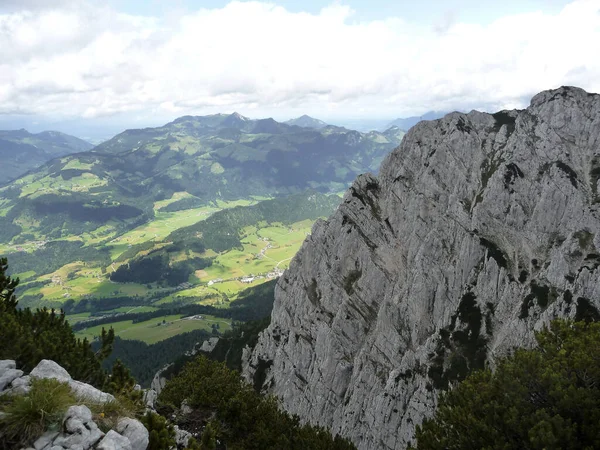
(78, 59)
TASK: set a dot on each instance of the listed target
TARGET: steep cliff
(479, 229)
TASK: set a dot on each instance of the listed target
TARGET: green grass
(153, 330)
(165, 223)
(26, 417)
(74, 318)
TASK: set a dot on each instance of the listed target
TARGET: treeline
(229, 348)
(145, 360)
(155, 267)
(231, 413)
(53, 255)
(221, 231)
(253, 304)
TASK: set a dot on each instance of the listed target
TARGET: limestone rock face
(49, 369)
(135, 431)
(479, 229)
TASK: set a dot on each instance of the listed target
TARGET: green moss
(595, 174)
(584, 237)
(586, 311)
(350, 279)
(504, 118)
(495, 252)
(511, 173)
(312, 292)
(569, 172)
(460, 348)
(543, 295)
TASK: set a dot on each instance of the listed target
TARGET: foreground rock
(479, 229)
(78, 430)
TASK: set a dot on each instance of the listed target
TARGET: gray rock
(89, 393)
(49, 369)
(185, 408)
(6, 364)
(134, 431)
(209, 344)
(158, 382)
(8, 376)
(79, 412)
(114, 441)
(45, 440)
(80, 430)
(182, 437)
(150, 397)
(470, 212)
(21, 385)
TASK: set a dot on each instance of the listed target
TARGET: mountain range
(22, 151)
(307, 122)
(210, 158)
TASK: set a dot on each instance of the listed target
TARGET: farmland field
(158, 329)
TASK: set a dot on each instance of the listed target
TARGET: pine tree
(28, 337)
(547, 397)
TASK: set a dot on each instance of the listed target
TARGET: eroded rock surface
(479, 229)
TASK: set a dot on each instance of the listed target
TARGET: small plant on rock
(26, 417)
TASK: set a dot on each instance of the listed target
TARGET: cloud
(74, 58)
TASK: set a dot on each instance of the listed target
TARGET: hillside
(22, 151)
(189, 163)
(478, 230)
(201, 255)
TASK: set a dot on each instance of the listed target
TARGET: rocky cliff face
(479, 229)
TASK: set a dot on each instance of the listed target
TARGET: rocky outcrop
(159, 381)
(78, 430)
(84, 391)
(479, 229)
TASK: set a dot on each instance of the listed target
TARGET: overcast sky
(139, 63)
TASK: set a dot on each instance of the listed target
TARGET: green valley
(191, 213)
(22, 151)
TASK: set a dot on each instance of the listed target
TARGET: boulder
(49, 369)
(79, 412)
(114, 441)
(21, 385)
(45, 440)
(88, 392)
(182, 437)
(134, 431)
(8, 376)
(150, 397)
(6, 364)
(185, 408)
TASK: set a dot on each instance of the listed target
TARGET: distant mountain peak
(407, 123)
(238, 116)
(305, 121)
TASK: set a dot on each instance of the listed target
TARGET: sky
(85, 66)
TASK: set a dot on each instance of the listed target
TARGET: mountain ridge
(305, 121)
(23, 151)
(478, 230)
